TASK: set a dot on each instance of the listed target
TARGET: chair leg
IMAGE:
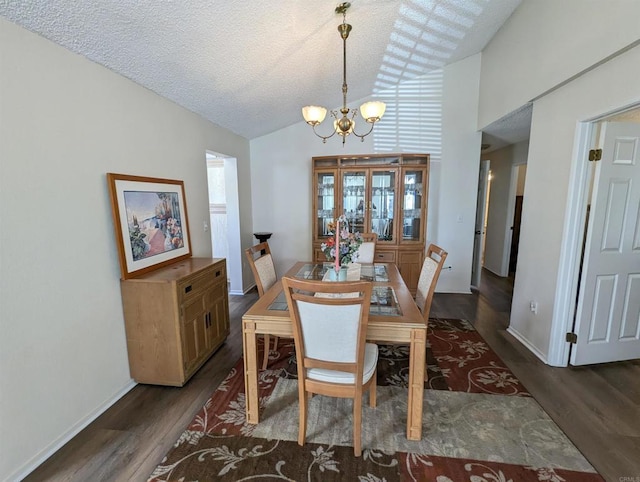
(426, 369)
(265, 361)
(303, 399)
(373, 390)
(357, 425)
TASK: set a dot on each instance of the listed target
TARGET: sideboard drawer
(385, 257)
(195, 284)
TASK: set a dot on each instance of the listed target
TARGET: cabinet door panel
(325, 202)
(193, 319)
(189, 344)
(354, 199)
(218, 320)
(413, 205)
(383, 204)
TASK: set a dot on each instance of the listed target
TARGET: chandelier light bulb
(372, 111)
(314, 114)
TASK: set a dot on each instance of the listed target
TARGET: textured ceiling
(250, 66)
(512, 128)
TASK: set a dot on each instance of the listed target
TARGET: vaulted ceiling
(250, 66)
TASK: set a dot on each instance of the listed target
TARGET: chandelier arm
(362, 136)
(324, 138)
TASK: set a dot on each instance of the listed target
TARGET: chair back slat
(367, 249)
(320, 323)
(266, 271)
(262, 267)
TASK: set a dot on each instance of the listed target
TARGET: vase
(341, 275)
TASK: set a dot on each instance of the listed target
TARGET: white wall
(543, 45)
(546, 42)
(501, 205)
(551, 157)
(281, 180)
(64, 123)
(459, 177)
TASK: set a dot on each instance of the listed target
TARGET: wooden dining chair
(431, 268)
(367, 249)
(264, 273)
(329, 331)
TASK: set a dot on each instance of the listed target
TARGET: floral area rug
(479, 425)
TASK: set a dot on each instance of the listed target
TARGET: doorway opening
(519, 177)
(224, 215)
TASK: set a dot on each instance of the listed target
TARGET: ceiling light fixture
(371, 112)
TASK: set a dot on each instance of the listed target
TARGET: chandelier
(371, 112)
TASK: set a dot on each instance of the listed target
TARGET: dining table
(394, 318)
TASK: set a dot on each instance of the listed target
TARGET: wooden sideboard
(175, 318)
(382, 193)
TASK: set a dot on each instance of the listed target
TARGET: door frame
(508, 227)
(481, 211)
(564, 309)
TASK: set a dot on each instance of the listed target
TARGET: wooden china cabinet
(384, 194)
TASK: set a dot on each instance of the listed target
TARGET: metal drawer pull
(187, 289)
(217, 273)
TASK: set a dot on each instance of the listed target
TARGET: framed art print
(150, 220)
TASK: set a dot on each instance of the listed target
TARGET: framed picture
(150, 220)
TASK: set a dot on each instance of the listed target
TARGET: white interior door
(608, 311)
(481, 221)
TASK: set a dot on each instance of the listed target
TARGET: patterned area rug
(479, 425)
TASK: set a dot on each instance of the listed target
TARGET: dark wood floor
(598, 406)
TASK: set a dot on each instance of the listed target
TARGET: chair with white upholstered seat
(431, 268)
(264, 273)
(367, 249)
(333, 359)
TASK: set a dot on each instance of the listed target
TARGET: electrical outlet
(205, 226)
(533, 306)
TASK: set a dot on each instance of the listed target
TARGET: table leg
(417, 358)
(249, 344)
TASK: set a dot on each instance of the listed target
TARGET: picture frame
(150, 222)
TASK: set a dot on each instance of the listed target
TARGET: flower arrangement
(348, 243)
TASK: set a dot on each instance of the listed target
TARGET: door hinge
(595, 154)
(572, 338)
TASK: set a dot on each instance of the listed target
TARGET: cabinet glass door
(325, 202)
(382, 206)
(354, 202)
(412, 205)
